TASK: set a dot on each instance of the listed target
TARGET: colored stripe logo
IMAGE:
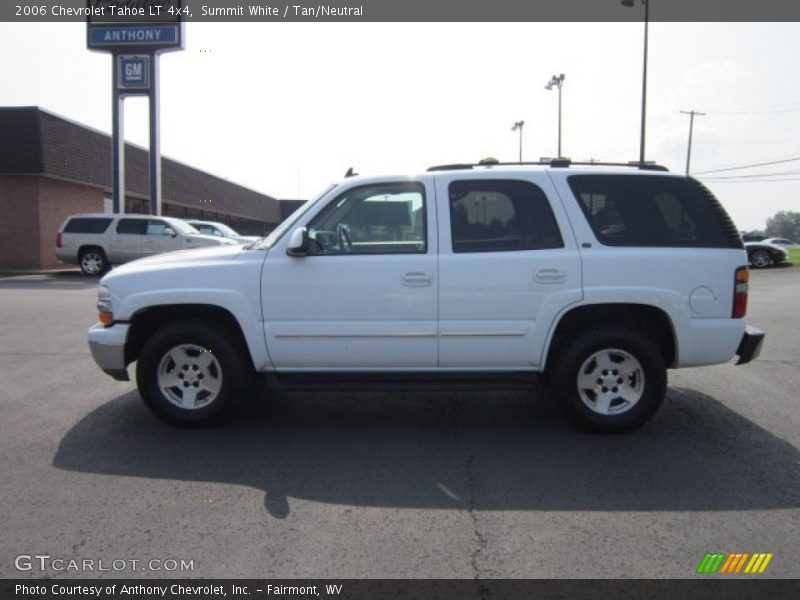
(734, 563)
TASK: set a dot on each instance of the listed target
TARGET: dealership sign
(148, 25)
(133, 72)
(135, 32)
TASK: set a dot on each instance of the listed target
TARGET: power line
(751, 180)
(738, 167)
(756, 112)
(790, 107)
(753, 175)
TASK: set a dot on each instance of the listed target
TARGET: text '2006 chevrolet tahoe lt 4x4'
(599, 277)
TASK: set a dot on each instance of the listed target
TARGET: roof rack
(556, 163)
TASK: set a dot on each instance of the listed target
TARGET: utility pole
(691, 114)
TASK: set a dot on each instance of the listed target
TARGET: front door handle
(550, 276)
(417, 279)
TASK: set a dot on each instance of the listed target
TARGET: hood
(180, 258)
(245, 239)
(203, 241)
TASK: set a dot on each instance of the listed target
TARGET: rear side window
(87, 225)
(488, 215)
(629, 210)
(132, 226)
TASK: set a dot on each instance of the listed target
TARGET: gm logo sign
(735, 563)
(133, 72)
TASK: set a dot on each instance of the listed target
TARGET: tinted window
(501, 215)
(206, 229)
(372, 219)
(629, 210)
(156, 227)
(132, 226)
(87, 225)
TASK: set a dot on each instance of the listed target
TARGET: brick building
(51, 168)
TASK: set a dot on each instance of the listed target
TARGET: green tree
(785, 224)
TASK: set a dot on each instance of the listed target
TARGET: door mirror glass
(170, 232)
(298, 242)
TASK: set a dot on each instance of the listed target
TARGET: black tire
(760, 259)
(180, 340)
(93, 261)
(649, 381)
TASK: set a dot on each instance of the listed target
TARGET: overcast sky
(286, 108)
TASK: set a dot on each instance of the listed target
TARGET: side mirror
(170, 232)
(298, 242)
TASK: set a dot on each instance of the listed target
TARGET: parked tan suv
(97, 241)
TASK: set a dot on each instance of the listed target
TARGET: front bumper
(750, 346)
(107, 345)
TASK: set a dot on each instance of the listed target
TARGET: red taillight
(740, 280)
(58, 240)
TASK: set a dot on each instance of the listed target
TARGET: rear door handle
(550, 276)
(417, 279)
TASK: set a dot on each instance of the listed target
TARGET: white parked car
(221, 230)
(97, 241)
(598, 277)
(780, 242)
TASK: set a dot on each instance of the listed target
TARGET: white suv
(598, 277)
(96, 241)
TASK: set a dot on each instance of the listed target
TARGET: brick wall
(19, 221)
(32, 209)
(57, 201)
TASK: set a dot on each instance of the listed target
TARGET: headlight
(106, 315)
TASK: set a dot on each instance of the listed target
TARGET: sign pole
(135, 44)
(118, 142)
(155, 139)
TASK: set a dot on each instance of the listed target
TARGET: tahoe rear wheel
(93, 261)
(612, 380)
(190, 372)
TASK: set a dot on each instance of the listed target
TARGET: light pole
(691, 114)
(557, 81)
(518, 126)
(646, 3)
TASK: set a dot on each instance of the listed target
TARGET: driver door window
(373, 219)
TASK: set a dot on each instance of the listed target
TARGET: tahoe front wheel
(189, 372)
(612, 380)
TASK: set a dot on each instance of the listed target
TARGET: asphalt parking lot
(380, 484)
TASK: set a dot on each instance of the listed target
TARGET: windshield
(227, 231)
(182, 227)
(213, 229)
(278, 232)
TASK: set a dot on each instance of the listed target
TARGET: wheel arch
(144, 322)
(650, 320)
(84, 247)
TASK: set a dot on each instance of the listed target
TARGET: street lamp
(518, 126)
(557, 81)
(630, 3)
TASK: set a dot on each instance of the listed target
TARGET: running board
(394, 381)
